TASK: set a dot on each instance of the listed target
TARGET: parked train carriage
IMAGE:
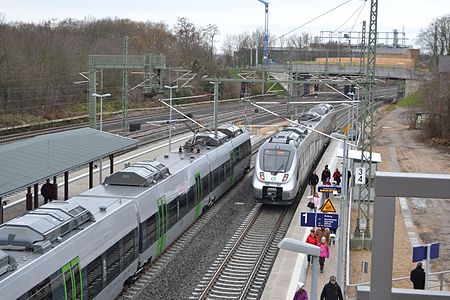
(127, 221)
(59, 251)
(284, 162)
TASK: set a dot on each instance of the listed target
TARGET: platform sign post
(427, 252)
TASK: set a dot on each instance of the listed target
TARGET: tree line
(39, 63)
(435, 41)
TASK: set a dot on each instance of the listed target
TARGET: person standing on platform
(301, 293)
(331, 290)
(313, 181)
(324, 252)
(47, 191)
(313, 240)
(326, 175)
(337, 176)
(418, 277)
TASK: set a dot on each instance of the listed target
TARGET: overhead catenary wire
(360, 8)
(310, 21)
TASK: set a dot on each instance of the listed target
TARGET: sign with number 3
(360, 177)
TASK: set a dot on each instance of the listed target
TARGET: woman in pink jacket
(324, 252)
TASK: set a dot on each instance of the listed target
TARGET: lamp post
(302, 247)
(216, 104)
(101, 96)
(341, 206)
(170, 113)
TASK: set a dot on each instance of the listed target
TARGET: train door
(161, 225)
(232, 164)
(198, 194)
(72, 279)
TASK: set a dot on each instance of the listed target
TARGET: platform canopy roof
(34, 160)
(356, 155)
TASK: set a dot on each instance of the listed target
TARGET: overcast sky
(237, 16)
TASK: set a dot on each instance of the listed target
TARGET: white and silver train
(88, 246)
(285, 160)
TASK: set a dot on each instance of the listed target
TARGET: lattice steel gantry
(367, 123)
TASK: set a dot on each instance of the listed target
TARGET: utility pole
(216, 104)
(125, 86)
(367, 122)
(266, 33)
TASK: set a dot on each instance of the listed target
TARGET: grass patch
(389, 107)
(414, 99)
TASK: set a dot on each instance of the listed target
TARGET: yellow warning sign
(328, 207)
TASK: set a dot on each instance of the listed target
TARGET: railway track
(243, 267)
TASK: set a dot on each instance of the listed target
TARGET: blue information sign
(420, 252)
(329, 188)
(307, 219)
(327, 220)
(434, 250)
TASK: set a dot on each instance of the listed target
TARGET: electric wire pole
(367, 120)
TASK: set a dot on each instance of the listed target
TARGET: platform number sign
(360, 177)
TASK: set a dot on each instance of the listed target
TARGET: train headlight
(285, 177)
(261, 176)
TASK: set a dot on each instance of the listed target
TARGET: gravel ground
(183, 273)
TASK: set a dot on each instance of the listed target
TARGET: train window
(173, 211)
(248, 147)
(221, 173)
(205, 186)
(276, 161)
(216, 178)
(150, 231)
(227, 169)
(41, 291)
(112, 263)
(57, 283)
(191, 198)
(237, 151)
(181, 199)
(128, 244)
(94, 277)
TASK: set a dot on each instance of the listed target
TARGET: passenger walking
(47, 191)
(331, 290)
(324, 252)
(337, 176)
(326, 234)
(313, 240)
(326, 174)
(301, 293)
(313, 181)
(418, 277)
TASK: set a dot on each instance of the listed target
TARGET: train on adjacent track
(285, 160)
(89, 246)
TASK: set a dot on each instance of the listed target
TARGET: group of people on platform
(330, 291)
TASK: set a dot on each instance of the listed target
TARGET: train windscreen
(276, 161)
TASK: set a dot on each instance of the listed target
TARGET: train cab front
(273, 184)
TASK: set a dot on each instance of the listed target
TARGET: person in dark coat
(326, 174)
(331, 290)
(418, 277)
(47, 191)
(313, 181)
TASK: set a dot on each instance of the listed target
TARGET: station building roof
(34, 160)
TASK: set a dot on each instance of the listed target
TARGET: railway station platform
(291, 267)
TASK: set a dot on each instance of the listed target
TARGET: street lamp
(342, 205)
(302, 247)
(216, 104)
(170, 113)
(101, 127)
